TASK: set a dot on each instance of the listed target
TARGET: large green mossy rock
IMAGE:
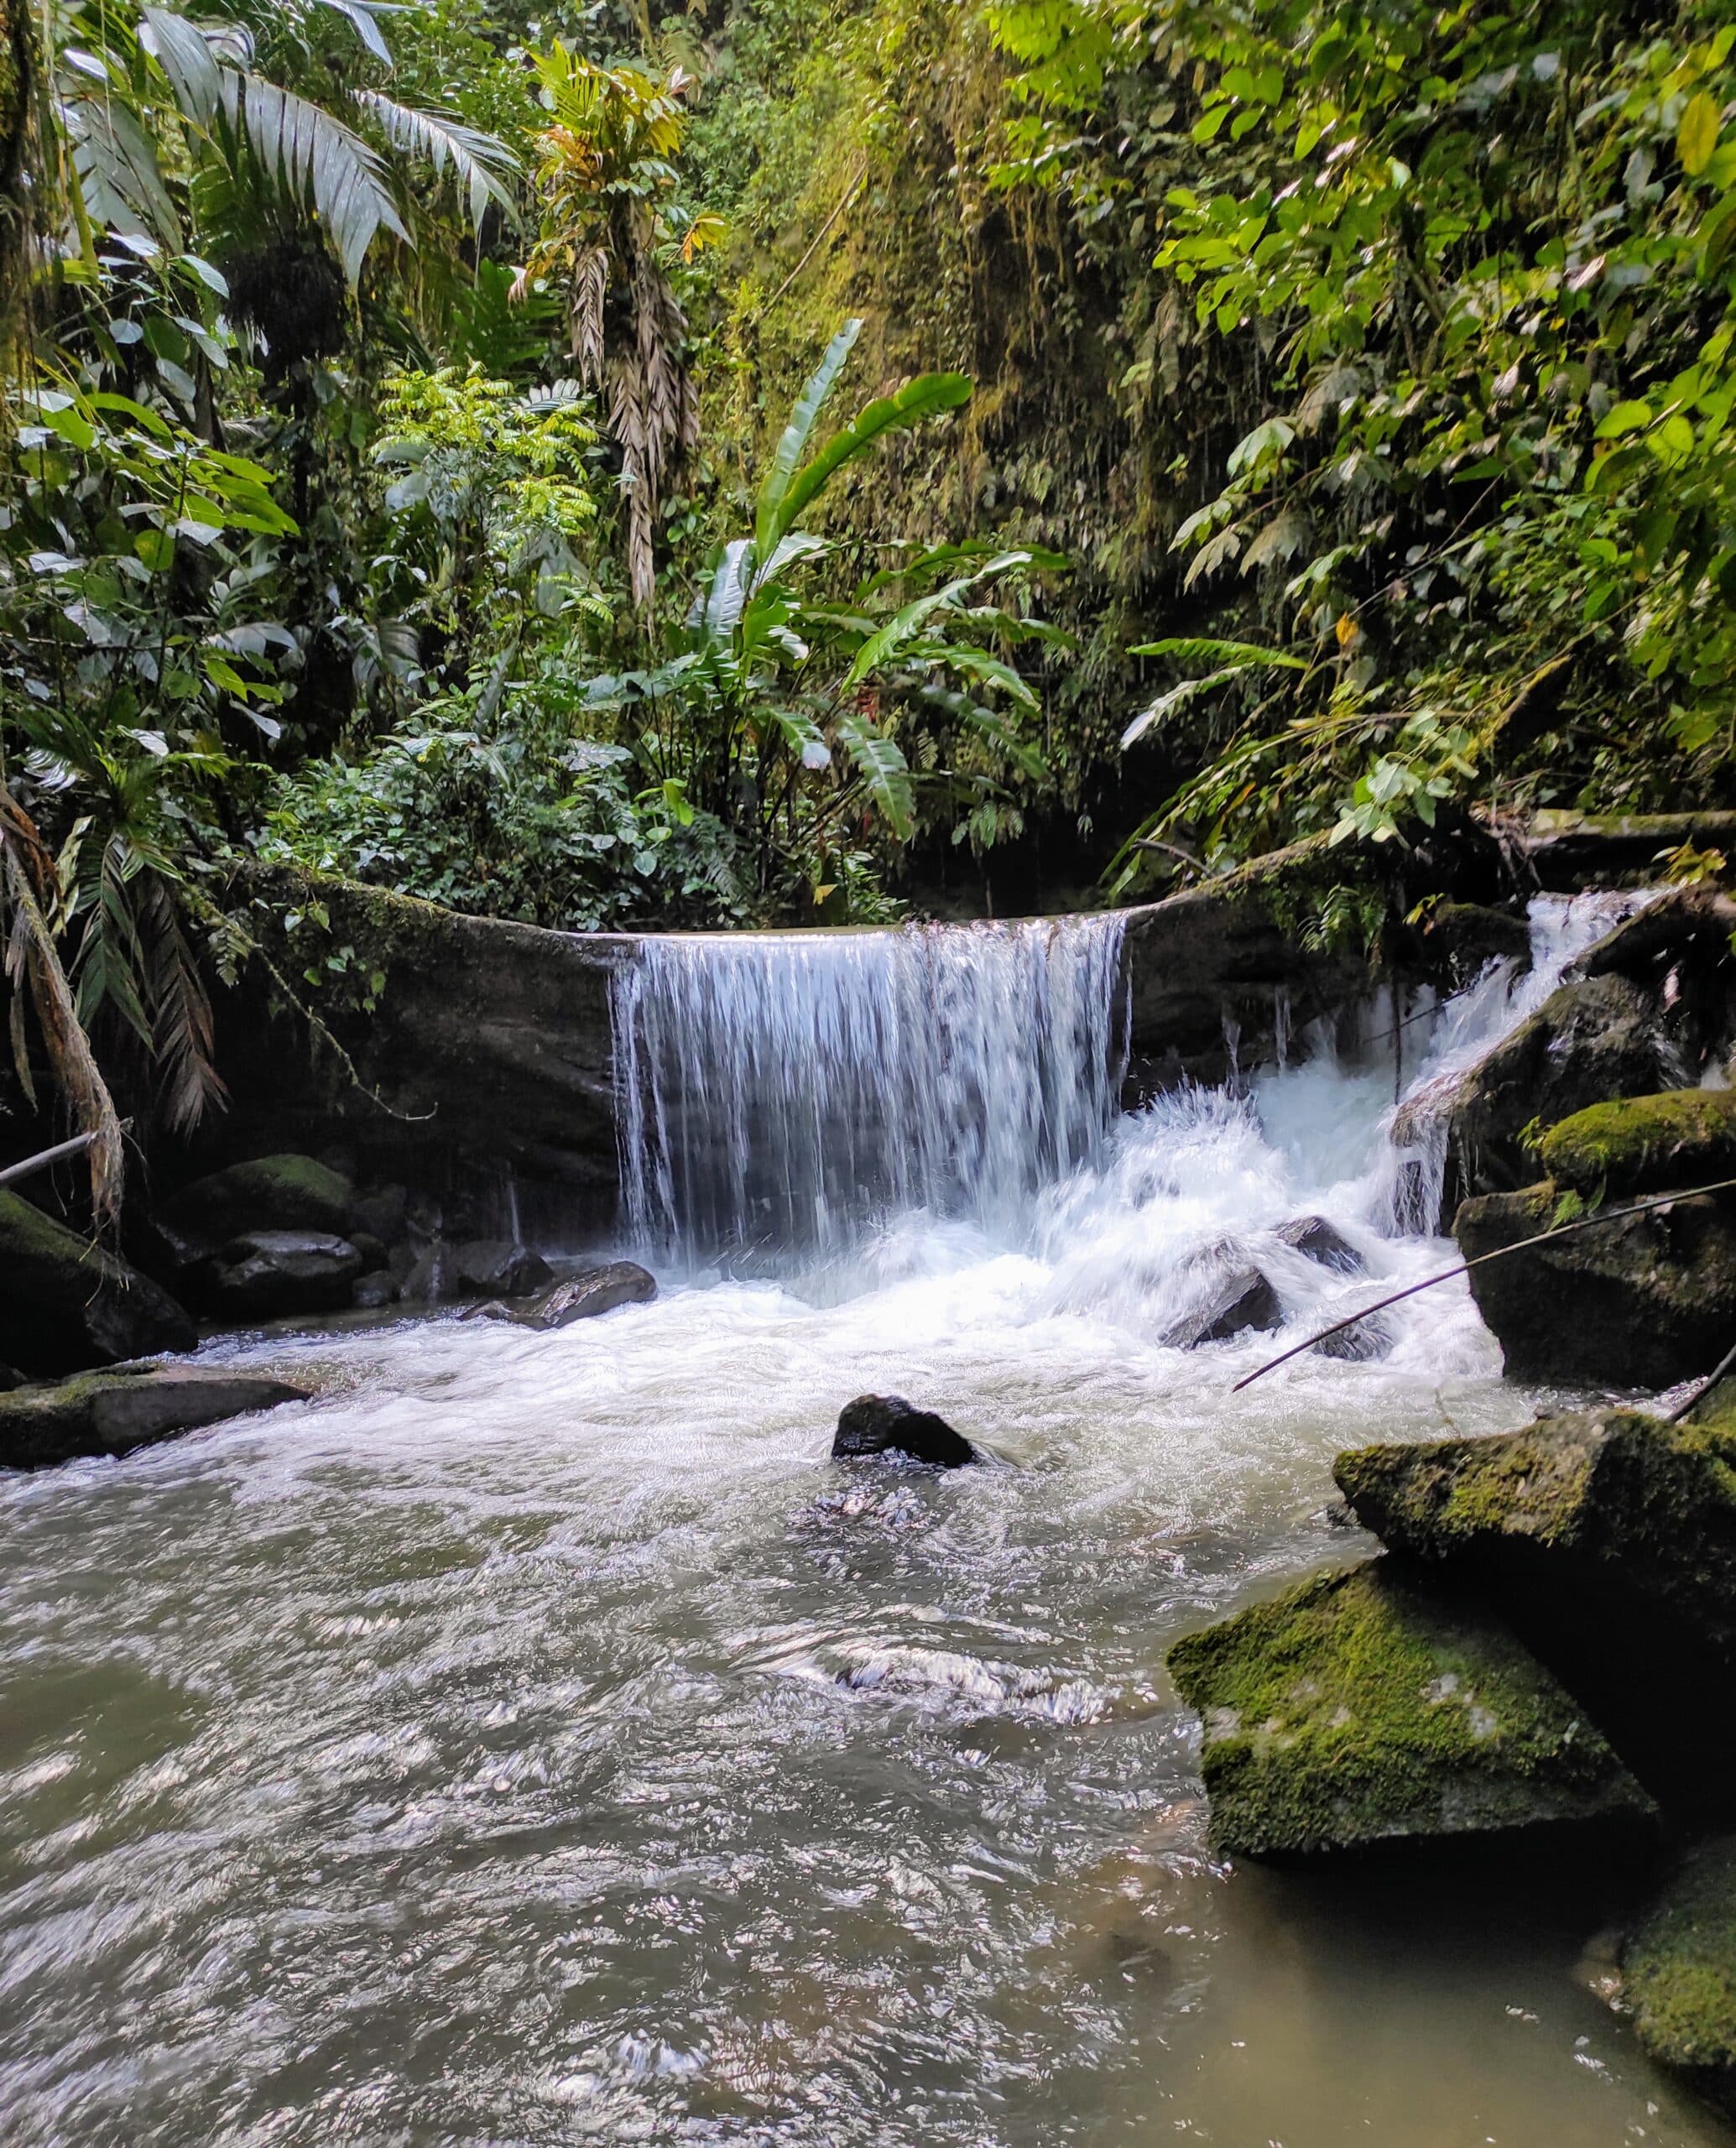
(1611, 1499)
(1643, 1301)
(1360, 1710)
(66, 1305)
(1679, 1973)
(1645, 1144)
(265, 1193)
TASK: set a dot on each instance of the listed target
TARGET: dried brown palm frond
(33, 964)
(182, 1026)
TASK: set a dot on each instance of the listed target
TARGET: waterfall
(783, 1093)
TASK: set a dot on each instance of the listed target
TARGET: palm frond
(480, 164)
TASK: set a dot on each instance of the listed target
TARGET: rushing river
(535, 1739)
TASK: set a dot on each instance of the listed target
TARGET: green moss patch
(1358, 1710)
(1641, 1145)
(1679, 1969)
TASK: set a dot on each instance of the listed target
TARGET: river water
(536, 1740)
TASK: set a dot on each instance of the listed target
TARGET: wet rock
(264, 1274)
(113, 1412)
(266, 1193)
(1678, 1970)
(66, 1305)
(1365, 1343)
(1237, 1301)
(384, 1212)
(495, 1268)
(596, 1290)
(1592, 1038)
(1644, 1145)
(375, 1289)
(1461, 940)
(882, 1424)
(1644, 1301)
(10, 1378)
(374, 1256)
(1317, 1239)
(1358, 1710)
(423, 1280)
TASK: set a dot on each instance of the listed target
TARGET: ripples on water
(535, 1739)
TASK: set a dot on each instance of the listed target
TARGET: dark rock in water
(1461, 940)
(495, 1268)
(10, 1378)
(1679, 1974)
(384, 1212)
(113, 1412)
(882, 1424)
(1644, 1145)
(1358, 1711)
(1644, 1301)
(66, 1305)
(376, 1288)
(1237, 1301)
(1362, 1344)
(373, 1254)
(1608, 1539)
(596, 1290)
(267, 1193)
(423, 1279)
(1317, 1239)
(1592, 1038)
(265, 1274)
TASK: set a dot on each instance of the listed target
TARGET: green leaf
(481, 164)
(1232, 655)
(1696, 135)
(917, 400)
(768, 525)
(882, 768)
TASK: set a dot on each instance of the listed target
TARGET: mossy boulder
(1607, 1539)
(1679, 1973)
(66, 1304)
(1644, 1144)
(265, 1193)
(112, 1413)
(1644, 1301)
(1361, 1710)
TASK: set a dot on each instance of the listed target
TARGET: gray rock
(423, 1280)
(1317, 1239)
(264, 1274)
(10, 1378)
(373, 1252)
(596, 1290)
(113, 1412)
(66, 1305)
(496, 1267)
(375, 1289)
(882, 1424)
(384, 1212)
(266, 1193)
(1238, 1300)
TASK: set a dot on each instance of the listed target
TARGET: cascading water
(535, 1739)
(782, 1092)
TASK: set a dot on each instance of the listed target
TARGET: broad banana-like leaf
(947, 555)
(885, 771)
(803, 734)
(481, 164)
(794, 444)
(799, 545)
(1236, 656)
(903, 626)
(974, 663)
(721, 606)
(1167, 703)
(916, 400)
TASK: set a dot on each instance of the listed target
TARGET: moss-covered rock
(1644, 1144)
(66, 1305)
(1644, 1301)
(265, 1193)
(1607, 1541)
(1679, 1973)
(110, 1413)
(1359, 1709)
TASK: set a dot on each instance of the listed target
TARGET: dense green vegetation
(707, 463)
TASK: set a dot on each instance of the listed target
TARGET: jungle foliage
(712, 463)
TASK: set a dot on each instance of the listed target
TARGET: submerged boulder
(1644, 1145)
(1316, 1239)
(887, 1424)
(266, 1275)
(1359, 1711)
(1461, 940)
(1643, 1301)
(66, 1305)
(112, 1412)
(266, 1193)
(1679, 1974)
(1608, 1540)
(1238, 1300)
